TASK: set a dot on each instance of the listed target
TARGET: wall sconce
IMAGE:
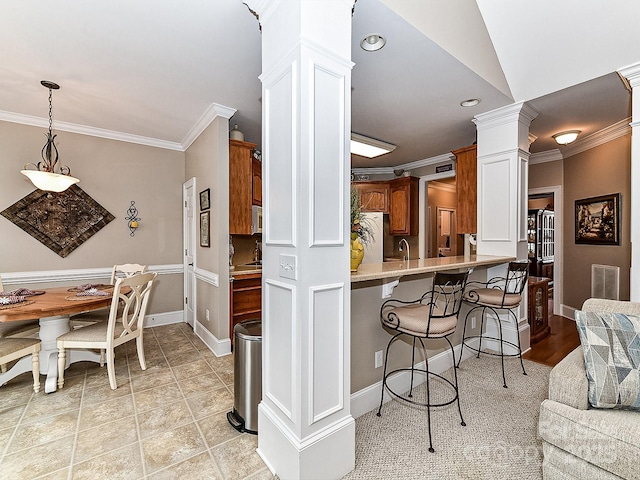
(133, 218)
(565, 138)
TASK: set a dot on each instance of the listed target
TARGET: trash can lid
(249, 330)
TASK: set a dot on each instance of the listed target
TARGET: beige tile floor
(166, 422)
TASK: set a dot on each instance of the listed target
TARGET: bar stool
(498, 294)
(432, 317)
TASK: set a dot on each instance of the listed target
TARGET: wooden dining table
(53, 309)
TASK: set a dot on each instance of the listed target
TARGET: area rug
(499, 442)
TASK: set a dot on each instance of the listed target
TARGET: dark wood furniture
(538, 302)
(242, 179)
(245, 299)
(467, 186)
(374, 195)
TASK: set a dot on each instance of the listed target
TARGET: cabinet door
(403, 206)
(240, 187)
(374, 196)
(245, 299)
(256, 182)
(466, 187)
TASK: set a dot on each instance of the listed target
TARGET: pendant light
(45, 176)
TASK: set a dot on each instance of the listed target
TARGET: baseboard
(567, 311)
(368, 398)
(218, 347)
(166, 318)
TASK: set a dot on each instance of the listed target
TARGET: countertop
(376, 271)
(244, 270)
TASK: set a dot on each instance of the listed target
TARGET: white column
(305, 426)
(503, 181)
(632, 74)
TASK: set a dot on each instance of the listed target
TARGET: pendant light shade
(44, 175)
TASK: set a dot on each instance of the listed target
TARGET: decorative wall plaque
(61, 221)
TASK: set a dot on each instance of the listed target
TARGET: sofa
(579, 441)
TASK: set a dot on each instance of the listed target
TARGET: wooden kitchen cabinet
(538, 303)
(245, 299)
(403, 206)
(467, 188)
(241, 186)
(374, 195)
(256, 182)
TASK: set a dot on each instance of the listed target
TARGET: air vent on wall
(605, 282)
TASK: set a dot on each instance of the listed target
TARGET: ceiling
(153, 71)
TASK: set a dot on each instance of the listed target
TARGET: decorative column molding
(305, 425)
(503, 156)
(632, 74)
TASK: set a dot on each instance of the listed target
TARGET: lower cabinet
(538, 308)
(245, 299)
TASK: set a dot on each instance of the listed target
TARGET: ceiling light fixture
(372, 42)
(565, 138)
(471, 102)
(45, 176)
(369, 147)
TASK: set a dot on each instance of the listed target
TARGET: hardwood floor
(562, 340)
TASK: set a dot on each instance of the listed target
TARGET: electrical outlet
(473, 322)
(378, 359)
(206, 314)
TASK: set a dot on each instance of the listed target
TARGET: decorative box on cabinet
(241, 186)
(403, 206)
(374, 195)
(538, 288)
(245, 299)
(466, 188)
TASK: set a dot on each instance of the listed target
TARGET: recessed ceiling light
(373, 42)
(471, 102)
(565, 138)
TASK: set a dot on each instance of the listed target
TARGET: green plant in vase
(361, 232)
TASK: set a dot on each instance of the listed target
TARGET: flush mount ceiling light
(45, 176)
(369, 147)
(565, 138)
(372, 42)
(471, 102)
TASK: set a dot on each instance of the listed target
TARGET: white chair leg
(111, 369)
(140, 348)
(35, 362)
(3, 368)
(102, 352)
(62, 360)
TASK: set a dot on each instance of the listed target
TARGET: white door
(189, 241)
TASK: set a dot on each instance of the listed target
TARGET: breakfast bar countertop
(396, 269)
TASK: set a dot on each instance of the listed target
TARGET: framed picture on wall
(598, 220)
(204, 230)
(205, 199)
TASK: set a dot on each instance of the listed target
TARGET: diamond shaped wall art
(61, 221)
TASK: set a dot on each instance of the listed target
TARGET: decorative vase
(236, 134)
(357, 252)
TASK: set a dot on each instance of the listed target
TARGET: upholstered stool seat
(434, 316)
(488, 298)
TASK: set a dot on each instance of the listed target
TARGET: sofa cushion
(607, 439)
(611, 346)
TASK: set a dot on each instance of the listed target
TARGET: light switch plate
(287, 266)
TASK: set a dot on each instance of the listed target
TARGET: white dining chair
(16, 348)
(125, 323)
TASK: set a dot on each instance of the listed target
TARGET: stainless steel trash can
(247, 376)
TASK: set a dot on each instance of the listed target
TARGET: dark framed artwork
(204, 230)
(598, 220)
(205, 199)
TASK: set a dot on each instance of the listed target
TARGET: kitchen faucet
(402, 249)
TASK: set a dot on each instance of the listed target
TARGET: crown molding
(631, 74)
(212, 112)
(446, 157)
(544, 157)
(215, 110)
(506, 115)
(617, 130)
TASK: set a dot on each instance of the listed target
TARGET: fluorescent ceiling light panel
(369, 147)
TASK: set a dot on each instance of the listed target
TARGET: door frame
(422, 208)
(556, 191)
(189, 184)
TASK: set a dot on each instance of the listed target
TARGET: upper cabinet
(374, 195)
(467, 187)
(256, 181)
(403, 206)
(243, 186)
